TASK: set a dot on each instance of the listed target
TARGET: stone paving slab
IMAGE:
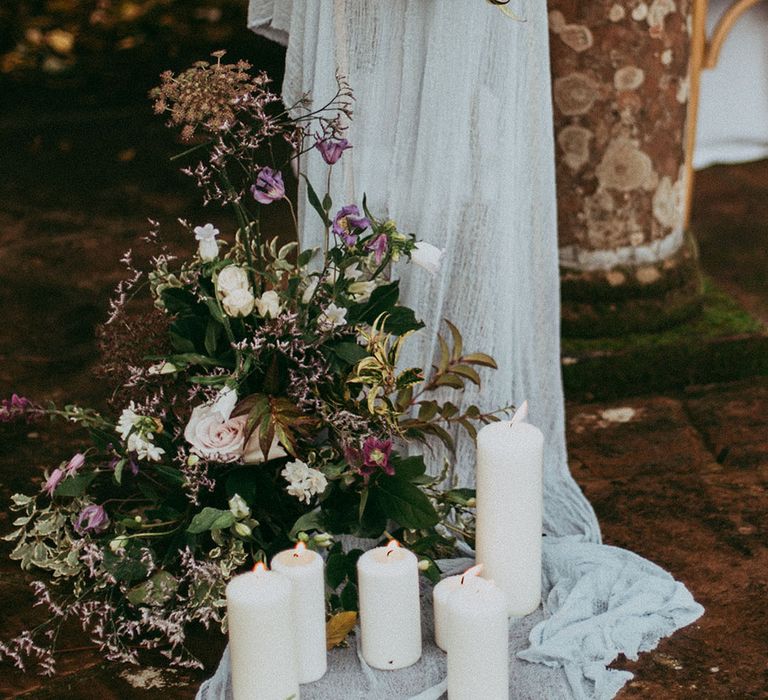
(704, 521)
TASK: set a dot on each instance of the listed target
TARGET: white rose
(332, 317)
(230, 279)
(208, 249)
(238, 302)
(213, 436)
(427, 256)
(252, 453)
(268, 304)
(361, 291)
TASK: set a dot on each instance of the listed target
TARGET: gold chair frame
(704, 55)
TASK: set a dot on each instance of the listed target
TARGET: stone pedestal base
(632, 299)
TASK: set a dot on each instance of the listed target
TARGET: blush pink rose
(213, 436)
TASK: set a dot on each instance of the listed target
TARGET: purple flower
(93, 519)
(376, 456)
(17, 407)
(56, 477)
(379, 246)
(348, 223)
(74, 464)
(331, 149)
(269, 186)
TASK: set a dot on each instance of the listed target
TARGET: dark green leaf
(211, 519)
(460, 496)
(169, 474)
(336, 570)
(405, 503)
(211, 336)
(427, 410)
(305, 256)
(308, 522)
(119, 471)
(410, 468)
(74, 486)
(401, 320)
(156, 591)
(193, 358)
(383, 300)
(348, 597)
(350, 352)
(177, 300)
(314, 200)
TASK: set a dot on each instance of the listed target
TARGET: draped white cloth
(733, 109)
(452, 138)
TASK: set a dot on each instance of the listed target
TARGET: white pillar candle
(510, 458)
(261, 641)
(478, 643)
(390, 612)
(306, 571)
(470, 578)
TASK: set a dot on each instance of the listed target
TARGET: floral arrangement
(266, 404)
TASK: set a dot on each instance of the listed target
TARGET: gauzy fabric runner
(452, 138)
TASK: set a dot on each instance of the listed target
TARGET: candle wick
(462, 581)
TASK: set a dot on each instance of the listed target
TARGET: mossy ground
(722, 343)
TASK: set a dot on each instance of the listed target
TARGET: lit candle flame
(474, 571)
(260, 568)
(299, 549)
(392, 546)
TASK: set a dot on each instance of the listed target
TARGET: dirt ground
(680, 479)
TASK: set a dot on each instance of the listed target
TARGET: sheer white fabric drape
(452, 138)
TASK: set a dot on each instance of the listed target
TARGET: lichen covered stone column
(620, 90)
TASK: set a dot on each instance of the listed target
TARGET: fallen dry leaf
(338, 627)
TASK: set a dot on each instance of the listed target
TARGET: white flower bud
(239, 507)
(238, 302)
(242, 529)
(208, 249)
(118, 544)
(361, 291)
(427, 256)
(303, 537)
(423, 565)
(268, 304)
